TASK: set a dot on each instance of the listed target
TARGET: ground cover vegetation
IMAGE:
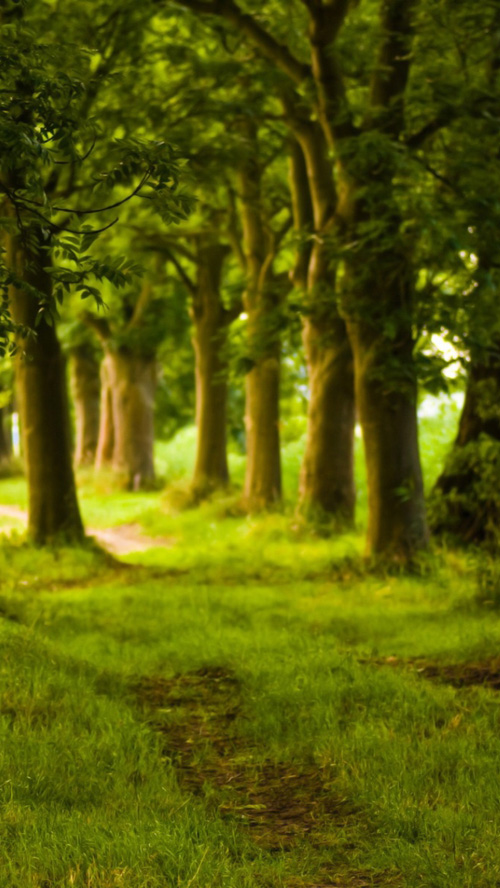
(249, 443)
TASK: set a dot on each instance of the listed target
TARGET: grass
(248, 708)
(390, 776)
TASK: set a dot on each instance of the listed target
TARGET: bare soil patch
(279, 802)
(120, 540)
(482, 672)
(353, 879)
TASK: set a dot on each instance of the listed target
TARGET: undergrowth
(251, 708)
(171, 725)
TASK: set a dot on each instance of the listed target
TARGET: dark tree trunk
(481, 411)
(43, 407)
(211, 320)
(386, 394)
(86, 390)
(5, 436)
(465, 500)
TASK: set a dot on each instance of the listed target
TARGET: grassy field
(248, 706)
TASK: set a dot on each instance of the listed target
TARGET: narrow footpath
(120, 540)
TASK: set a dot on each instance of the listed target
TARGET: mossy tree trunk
(386, 395)
(326, 488)
(263, 305)
(378, 287)
(43, 405)
(86, 392)
(5, 437)
(465, 500)
(211, 321)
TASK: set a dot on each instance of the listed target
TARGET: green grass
(89, 797)
(267, 653)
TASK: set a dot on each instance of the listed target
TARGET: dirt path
(120, 540)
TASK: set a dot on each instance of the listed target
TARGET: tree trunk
(106, 436)
(386, 394)
(130, 392)
(41, 388)
(5, 437)
(465, 500)
(263, 472)
(86, 386)
(211, 321)
(262, 300)
(326, 488)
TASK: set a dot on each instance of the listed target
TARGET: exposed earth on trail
(460, 675)
(120, 540)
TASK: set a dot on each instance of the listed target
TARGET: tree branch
(393, 67)
(335, 116)
(303, 217)
(162, 242)
(182, 272)
(100, 326)
(141, 304)
(248, 26)
(416, 140)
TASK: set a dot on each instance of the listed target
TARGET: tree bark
(128, 395)
(379, 320)
(86, 390)
(465, 499)
(106, 437)
(43, 406)
(211, 320)
(326, 488)
(263, 472)
(262, 301)
(128, 387)
(5, 437)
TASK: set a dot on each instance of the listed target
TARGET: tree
(85, 387)
(211, 319)
(327, 475)
(50, 89)
(366, 227)
(461, 156)
(263, 299)
(130, 339)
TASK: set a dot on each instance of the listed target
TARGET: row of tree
(339, 171)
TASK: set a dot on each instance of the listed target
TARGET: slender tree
(263, 302)
(211, 320)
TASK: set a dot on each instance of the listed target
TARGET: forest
(249, 443)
